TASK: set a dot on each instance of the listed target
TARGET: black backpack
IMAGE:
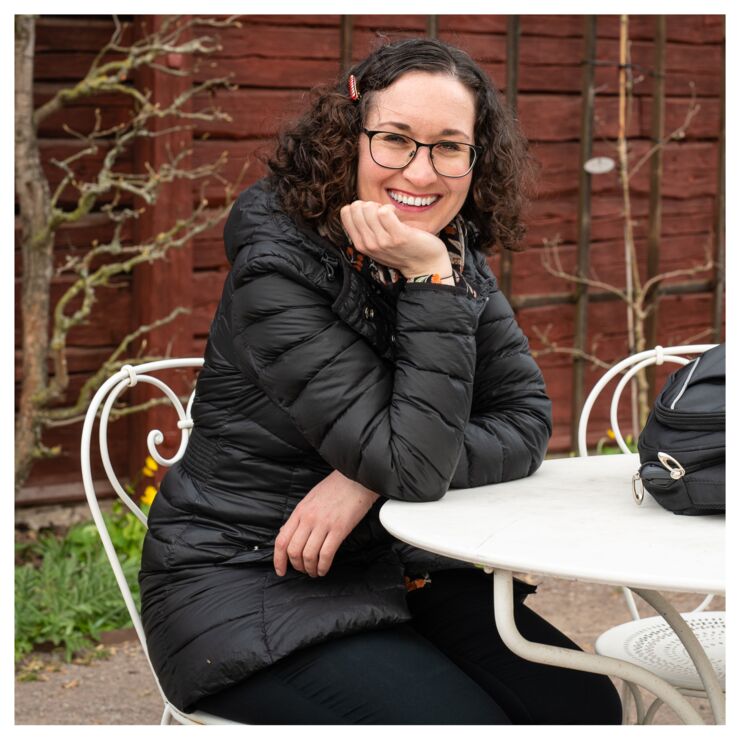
(682, 447)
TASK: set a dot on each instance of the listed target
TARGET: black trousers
(447, 666)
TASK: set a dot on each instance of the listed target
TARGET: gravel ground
(120, 690)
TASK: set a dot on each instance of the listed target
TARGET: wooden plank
(290, 20)
(485, 24)
(280, 42)
(689, 167)
(381, 22)
(560, 57)
(207, 289)
(689, 29)
(607, 261)
(270, 72)
(80, 360)
(365, 42)
(241, 154)
(254, 113)
(553, 217)
(483, 48)
(77, 33)
(62, 66)
(705, 125)
(561, 122)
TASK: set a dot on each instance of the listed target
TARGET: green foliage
(608, 446)
(65, 590)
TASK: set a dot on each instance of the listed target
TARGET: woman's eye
(449, 146)
(394, 139)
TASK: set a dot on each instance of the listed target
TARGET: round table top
(574, 518)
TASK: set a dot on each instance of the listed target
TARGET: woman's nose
(420, 171)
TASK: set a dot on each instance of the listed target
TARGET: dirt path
(120, 689)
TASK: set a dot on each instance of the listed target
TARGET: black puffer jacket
(309, 368)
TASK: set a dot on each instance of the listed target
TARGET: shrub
(65, 590)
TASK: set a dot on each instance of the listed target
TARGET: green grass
(65, 591)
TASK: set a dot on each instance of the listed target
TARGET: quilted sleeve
(396, 427)
(510, 421)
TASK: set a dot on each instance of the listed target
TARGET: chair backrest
(127, 377)
(630, 366)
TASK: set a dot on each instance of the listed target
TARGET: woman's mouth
(408, 202)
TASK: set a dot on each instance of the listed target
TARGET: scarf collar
(454, 236)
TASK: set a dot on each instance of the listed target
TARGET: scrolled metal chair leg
(630, 690)
(652, 711)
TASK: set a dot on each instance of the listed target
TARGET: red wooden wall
(274, 60)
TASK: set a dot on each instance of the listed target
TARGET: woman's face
(428, 107)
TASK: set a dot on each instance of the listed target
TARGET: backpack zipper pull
(675, 468)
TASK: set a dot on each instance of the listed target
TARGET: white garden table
(575, 518)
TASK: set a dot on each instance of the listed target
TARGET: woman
(361, 351)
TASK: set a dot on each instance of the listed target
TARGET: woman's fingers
(361, 222)
(349, 226)
(297, 545)
(389, 222)
(311, 550)
(368, 241)
(329, 550)
(285, 535)
(373, 225)
(302, 544)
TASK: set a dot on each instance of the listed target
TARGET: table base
(503, 605)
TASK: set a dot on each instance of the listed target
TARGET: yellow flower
(150, 466)
(149, 493)
(610, 434)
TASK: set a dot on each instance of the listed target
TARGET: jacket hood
(252, 209)
(256, 213)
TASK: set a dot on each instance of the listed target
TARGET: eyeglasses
(396, 151)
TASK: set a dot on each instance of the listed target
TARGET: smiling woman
(361, 352)
(326, 143)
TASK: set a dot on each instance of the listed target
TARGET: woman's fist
(376, 231)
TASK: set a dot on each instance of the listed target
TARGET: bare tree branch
(676, 134)
(551, 262)
(112, 191)
(552, 347)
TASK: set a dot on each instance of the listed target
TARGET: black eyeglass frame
(476, 151)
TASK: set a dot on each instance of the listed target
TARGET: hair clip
(354, 93)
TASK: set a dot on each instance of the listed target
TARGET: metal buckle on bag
(637, 495)
(672, 465)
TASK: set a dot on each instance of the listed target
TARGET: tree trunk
(37, 247)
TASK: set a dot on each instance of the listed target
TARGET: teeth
(410, 200)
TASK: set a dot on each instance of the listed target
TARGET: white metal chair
(650, 642)
(106, 397)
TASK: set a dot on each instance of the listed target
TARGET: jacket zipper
(330, 265)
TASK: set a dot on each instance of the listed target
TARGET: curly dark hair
(314, 168)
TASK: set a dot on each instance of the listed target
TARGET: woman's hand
(377, 232)
(319, 524)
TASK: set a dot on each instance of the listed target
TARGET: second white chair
(650, 642)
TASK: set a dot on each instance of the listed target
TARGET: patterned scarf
(453, 236)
